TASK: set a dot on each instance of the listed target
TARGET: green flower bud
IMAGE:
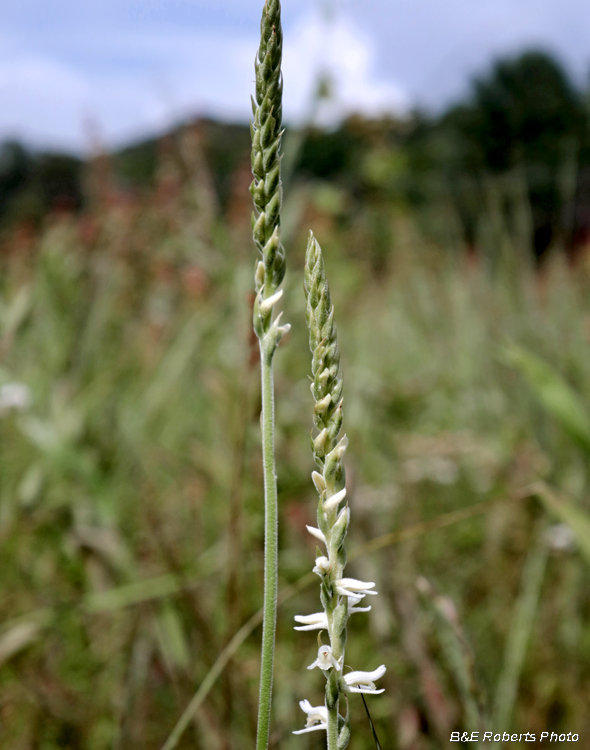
(323, 343)
(332, 690)
(339, 529)
(344, 729)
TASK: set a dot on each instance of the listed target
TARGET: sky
(77, 73)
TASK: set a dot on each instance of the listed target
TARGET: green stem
(332, 732)
(521, 629)
(270, 549)
(337, 641)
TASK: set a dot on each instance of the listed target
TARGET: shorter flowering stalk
(339, 595)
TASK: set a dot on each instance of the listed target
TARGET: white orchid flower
(352, 587)
(267, 304)
(317, 621)
(335, 500)
(322, 566)
(317, 717)
(352, 602)
(317, 533)
(363, 682)
(325, 659)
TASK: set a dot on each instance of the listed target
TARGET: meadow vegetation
(131, 510)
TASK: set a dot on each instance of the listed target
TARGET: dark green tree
(524, 114)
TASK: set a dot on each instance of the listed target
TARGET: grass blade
(523, 621)
(553, 393)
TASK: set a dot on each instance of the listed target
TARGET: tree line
(519, 139)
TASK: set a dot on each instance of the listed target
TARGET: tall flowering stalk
(269, 272)
(339, 595)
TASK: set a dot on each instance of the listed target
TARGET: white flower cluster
(356, 682)
(351, 592)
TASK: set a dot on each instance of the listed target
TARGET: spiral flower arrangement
(339, 595)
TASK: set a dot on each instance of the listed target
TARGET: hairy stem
(332, 732)
(270, 549)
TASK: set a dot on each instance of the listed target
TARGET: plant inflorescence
(339, 595)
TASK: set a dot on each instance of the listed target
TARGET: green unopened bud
(259, 275)
(257, 190)
(339, 529)
(321, 406)
(272, 248)
(318, 457)
(272, 209)
(274, 336)
(319, 481)
(319, 443)
(344, 729)
(341, 447)
(259, 227)
(334, 458)
(323, 522)
(273, 177)
(332, 691)
(323, 377)
(257, 318)
(339, 478)
(335, 422)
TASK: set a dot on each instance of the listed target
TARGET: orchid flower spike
(362, 682)
(317, 717)
(325, 660)
(340, 596)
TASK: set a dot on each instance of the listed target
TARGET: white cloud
(347, 55)
(40, 98)
(136, 66)
(47, 101)
(434, 48)
(143, 81)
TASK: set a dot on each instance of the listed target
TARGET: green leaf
(172, 638)
(18, 638)
(552, 392)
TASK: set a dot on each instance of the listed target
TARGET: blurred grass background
(131, 507)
